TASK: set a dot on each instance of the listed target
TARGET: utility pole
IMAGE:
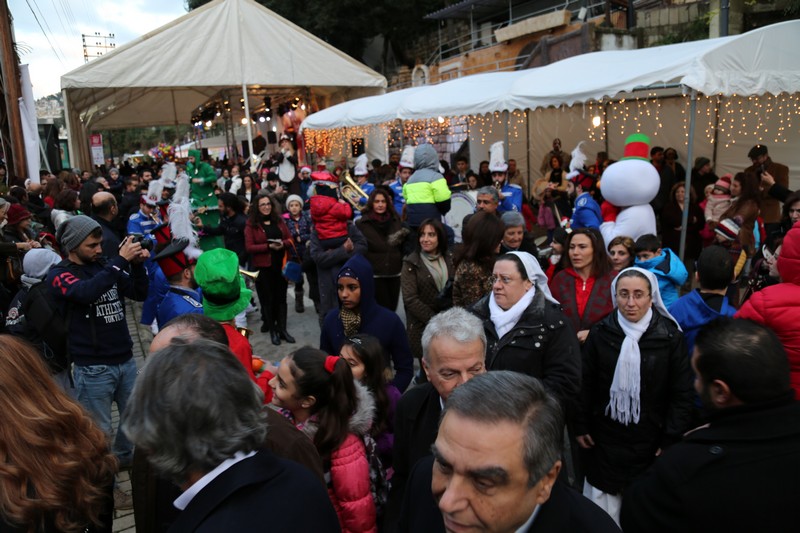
(10, 120)
(98, 45)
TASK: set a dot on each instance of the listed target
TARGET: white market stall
(236, 48)
(757, 72)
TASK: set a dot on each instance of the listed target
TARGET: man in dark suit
(200, 419)
(739, 471)
(453, 352)
(495, 465)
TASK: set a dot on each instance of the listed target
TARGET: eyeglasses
(637, 296)
(505, 280)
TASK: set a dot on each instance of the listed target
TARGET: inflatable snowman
(629, 185)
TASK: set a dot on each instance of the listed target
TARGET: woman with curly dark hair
(266, 238)
(475, 259)
(380, 224)
(56, 471)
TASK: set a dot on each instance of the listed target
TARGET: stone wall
(670, 24)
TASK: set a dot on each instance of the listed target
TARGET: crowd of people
(543, 379)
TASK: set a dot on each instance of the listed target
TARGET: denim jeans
(96, 386)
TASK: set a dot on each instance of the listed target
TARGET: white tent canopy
(758, 62)
(163, 76)
(369, 110)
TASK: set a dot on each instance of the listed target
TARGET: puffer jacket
(778, 306)
(330, 216)
(669, 271)
(541, 344)
(426, 192)
(621, 453)
(420, 297)
(347, 473)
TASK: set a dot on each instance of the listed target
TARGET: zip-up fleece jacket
(95, 294)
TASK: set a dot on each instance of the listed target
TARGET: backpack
(51, 322)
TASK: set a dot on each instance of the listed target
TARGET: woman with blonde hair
(56, 471)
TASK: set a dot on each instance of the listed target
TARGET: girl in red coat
(318, 394)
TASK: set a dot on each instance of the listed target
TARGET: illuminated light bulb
(208, 124)
(262, 118)
(244, 121)
(440, 120)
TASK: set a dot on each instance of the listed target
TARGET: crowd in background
(631, 343)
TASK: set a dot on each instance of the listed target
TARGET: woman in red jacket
(266, 238)
(317, 393)
(583, 287)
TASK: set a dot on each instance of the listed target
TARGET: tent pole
(688, 182)
(528, 150)
(249, 128)
(508, 146)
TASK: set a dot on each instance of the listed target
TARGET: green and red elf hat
(637, 146)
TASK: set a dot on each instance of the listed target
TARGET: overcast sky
(65, 20)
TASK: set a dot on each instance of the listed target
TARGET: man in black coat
(495, 465)
(739, 472)
(453, 351)
(201, 421)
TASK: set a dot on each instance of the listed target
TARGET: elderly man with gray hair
(202, 422)
(453, 352)
(495, 465)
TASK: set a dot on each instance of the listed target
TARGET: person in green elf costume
(203, 178)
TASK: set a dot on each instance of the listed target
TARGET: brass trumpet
(351, 191)
(248, 273)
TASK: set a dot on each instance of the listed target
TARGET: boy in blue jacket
(662, 262)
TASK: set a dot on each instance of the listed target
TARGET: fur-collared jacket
(347, 470)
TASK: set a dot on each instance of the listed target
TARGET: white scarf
(624, 403)
(504, 321)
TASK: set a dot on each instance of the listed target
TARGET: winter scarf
(437, 266)
(504, 321)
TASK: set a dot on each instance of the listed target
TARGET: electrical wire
(60, 58)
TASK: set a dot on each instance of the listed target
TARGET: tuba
(351, 192)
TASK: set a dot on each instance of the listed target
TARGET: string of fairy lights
(724, 120)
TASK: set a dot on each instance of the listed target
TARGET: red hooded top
(778, 306)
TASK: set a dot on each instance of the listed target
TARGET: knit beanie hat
(17, 213)
(73, 232)
(729, 228)
(37, 262)
(293, 198)
(724, 183)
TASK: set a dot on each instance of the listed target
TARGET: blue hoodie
(586, 213)
(377, 321)
(692, 313)
(670, 272)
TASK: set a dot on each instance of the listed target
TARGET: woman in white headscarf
(637, 388)
(526, 331)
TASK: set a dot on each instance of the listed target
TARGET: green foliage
(130, 140)
(346, 24)
(695, 30)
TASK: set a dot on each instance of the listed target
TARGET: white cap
(407, 157)
(497, 160)
(361, 166)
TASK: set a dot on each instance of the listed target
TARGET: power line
(60, 58)
(60, 18)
